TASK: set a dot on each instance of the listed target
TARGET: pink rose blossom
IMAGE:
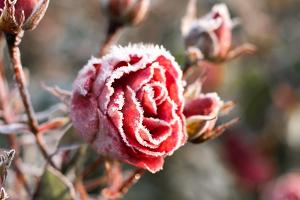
(250, 164)
(285, 188)
(202, 111)
(129, 104)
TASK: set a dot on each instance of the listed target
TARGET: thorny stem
(79, 187)
(91, 168)
(13, 41)
(94, 183)
(15, 56)
(7, 117)
(133, 179)
(110, 38)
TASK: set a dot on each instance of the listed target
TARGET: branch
(110, 38)
(13, 41)
(7, 118)
(133, 179)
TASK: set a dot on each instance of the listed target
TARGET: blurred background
(265, 86)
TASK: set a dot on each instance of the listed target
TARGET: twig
(94, 183)
(133, 179)
(13, 41)
(15, 56)
(91, 168)
(110, 38)
(79, 187)
(7, 118)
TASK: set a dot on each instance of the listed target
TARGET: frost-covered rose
(201, 115)
(212, 33)
(129, 104)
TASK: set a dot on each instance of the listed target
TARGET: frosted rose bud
(128, 105)
(211, 33)
(5, 161)
(285, 188)
(201, 116)
(20, 15)
(125, 12)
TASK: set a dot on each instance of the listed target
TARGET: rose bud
(125, 12)
(210, 33)
(285, 188)
(20, 15)
(201, 116)
(128, 105)
(251, 166)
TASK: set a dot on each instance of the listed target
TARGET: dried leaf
(54, 185)
(227, 108)
(7, 129)
(3, 194)
(216, 132)
(36, 16)
(63, 95)
(196, 125)
(5, 162)
(55, 123)
(193, 90)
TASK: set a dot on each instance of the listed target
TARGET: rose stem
(110, 38)
(133, 179)
(92, 167)
(13, 41)
(7, 117)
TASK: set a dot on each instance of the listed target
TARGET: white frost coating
(88, 68)
(117, 74)
(223, 11)
(163, 93)
(219, 103)
(208, 22)
(118, 103)
(124, 137)
(138, 127)
(160, 139)
(149, 93)
(148, 53)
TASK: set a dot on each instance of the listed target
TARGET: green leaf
(54, 185)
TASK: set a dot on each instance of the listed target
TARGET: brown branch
(110, 38)
(92, 167)
(133, 179)
(13, 41)
(15, 56)
(94, 183)
(7, 117)
(79, 187)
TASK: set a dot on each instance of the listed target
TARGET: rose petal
(109, 142)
